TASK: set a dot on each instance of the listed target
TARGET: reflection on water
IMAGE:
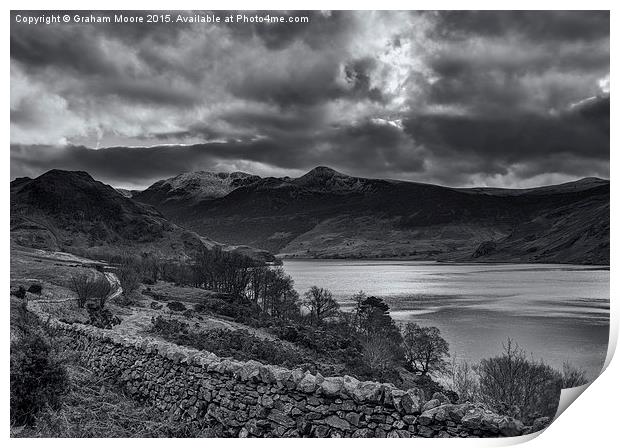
(556, 312)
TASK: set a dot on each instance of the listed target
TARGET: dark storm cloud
(500, 97)
(544, 25)
(67, 48)
(516, 137)
(309, 86)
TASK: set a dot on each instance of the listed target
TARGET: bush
(573, 376)
(38, 379)
(514, 385)
(328, 339)
(238, 344)
(20, 292)
(102, 317)
(35, 288)
(381, 357)
(242, 345)
(464, 381)
(176, 306)
(167, 327)
(240, 310)
(336, 344)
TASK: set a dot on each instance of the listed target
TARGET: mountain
(328, 214)
(69, 210)
(191, 188)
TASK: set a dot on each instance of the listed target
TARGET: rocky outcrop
(250, 399)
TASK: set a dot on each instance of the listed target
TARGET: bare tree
(80, 285)
(87, 287)
(101, 290)
(463, 380)
(424, 348)
(129, 278)
(320, 303)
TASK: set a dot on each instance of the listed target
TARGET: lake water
(555, 312)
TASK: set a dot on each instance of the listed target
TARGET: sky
(458, 98)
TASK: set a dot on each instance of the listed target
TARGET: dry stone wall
(250, 399)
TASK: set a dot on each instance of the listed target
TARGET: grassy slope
(94, 407)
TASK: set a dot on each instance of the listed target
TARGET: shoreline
(447, 262)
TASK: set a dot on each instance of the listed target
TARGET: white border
(591, 421)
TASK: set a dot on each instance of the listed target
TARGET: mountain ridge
(329, 214)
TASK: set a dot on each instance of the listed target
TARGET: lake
(555, 312)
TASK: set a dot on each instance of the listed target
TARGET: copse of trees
(222, 271)
(273, 291)
(266, 288)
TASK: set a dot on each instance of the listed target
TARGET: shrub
(38, 379)
(238, 344)
(20, 292)
(167, 327)
(328, 339)
(464, 381)
(35, 288)
(515, 385)
(176, 306)
(102, 317)
(573, 376)
(380, 356)
(236, 308)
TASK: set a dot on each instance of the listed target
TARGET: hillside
(68, 210)
(329, 214)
